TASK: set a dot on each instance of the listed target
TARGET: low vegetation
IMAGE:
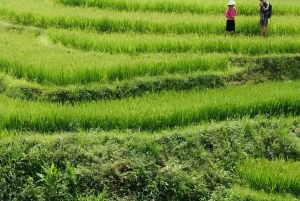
(195, 163)
(136, 100)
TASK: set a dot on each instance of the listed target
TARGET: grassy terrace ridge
(252, 70)
(284, 67)
(172, 6)
(74, 67)
(238, 193)
(193, 163)
(132, 43)
(91, 92)
(130, 100)
(154, 111)
(117, 21)
(272, 176)
(58, 65)
(191, 6)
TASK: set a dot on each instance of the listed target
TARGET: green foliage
(64, 67)
(107, 70)
(108, 21)
(149, 43)
(246, 194)
(283, 67)
(52, 183)
(134, 88)
(190, 164)
(2, 84)
(273, 176)
(153, 111)
(191, 6)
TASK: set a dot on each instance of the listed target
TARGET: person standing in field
(263, 8)
(230, 14)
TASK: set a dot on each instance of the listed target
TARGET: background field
(148, 100)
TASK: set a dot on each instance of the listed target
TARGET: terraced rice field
(148, 100)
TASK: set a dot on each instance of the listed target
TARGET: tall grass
(273, 176)
(191, 6)
(39, 60)
(149, 43)
(187, 164)
(107, 41)
(59, 75)
(154, 111)
(62, 75)
(116, 21)
(244, 193)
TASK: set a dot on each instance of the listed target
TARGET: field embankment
(136, 100)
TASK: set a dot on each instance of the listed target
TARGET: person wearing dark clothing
(263, 8)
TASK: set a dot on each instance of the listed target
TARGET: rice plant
(273, 176)
(191, 6)
(245, 193)
(68, 45)
(38, 59)
(154, 111)
(116, 21)
(132, 43)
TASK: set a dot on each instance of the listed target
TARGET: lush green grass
(195, 163)
(153, 111)
(193, 6)
(38, 59)
(244, 194)
(273, 176)
(241, 70)
(149, 43)
(57, 16)
(91, 92)
(131, 81)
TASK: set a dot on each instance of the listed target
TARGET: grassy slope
(185, 163)
(192, 163)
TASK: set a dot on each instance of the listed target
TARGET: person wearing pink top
(230, 14)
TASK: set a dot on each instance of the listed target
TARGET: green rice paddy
(148, 100)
